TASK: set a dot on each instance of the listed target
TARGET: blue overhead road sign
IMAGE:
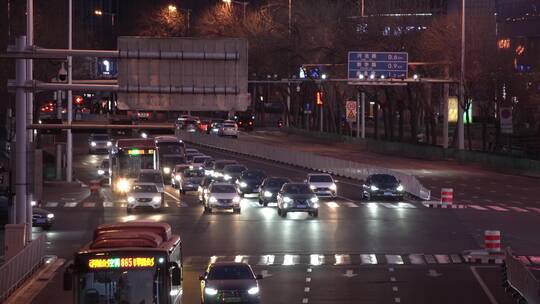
(387, 64)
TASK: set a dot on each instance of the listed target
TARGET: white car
(198, 161)
(99, 143)
(144, 195)
(228, 129)
(152, 177)
(221, 196)
(322, 184)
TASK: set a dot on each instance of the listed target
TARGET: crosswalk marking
(517, 209)
(394, 259)
(350, 204)
(89, 205)
(342, 259)
(51, 204)
(388, 205)
(406, 205)
(70, 205)
(442, 259)
(332, 204)
(368, 258)
(290, 259)
(497, 208)
(316, 259)
(267, 259)
(477, 207)
(430, 259)
(416, 259)
(108, 204)
(455, 259)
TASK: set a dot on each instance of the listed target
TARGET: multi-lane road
(354, 252)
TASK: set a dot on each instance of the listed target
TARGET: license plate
(40, 221)
(301, 206)
(388, 193)
(232, 300)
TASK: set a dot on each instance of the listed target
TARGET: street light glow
(98, 12)
(172, 8)
(227, 1)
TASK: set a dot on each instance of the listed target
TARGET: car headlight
(167, 170)
(333, 187)
(109, 143)
(253, 290)
(316, 205)
(287, 199)
(130, 199)
(227, 177)
(374, 188)
(400, 188)
(123, 185)
(212, 199)
(144, 135)
(156, 199)
(267, 194)
(93, 144)
(312, 187)
(50, 215)
(243, 184)
(210, 291)
(177, 177)
(216, 174)
(314, 199)
(100, 172)
(236, 199)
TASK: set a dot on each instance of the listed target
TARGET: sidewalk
(471, 183)
(64, 192)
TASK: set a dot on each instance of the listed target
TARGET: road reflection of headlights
(267, 194)
(374, 188)
(400, 188)
(333, 187)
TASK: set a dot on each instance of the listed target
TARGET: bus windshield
(121, 286)
(170, 148)
(130, 164)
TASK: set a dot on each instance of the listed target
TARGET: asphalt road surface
(354, 252)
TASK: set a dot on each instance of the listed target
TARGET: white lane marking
(394, 288)
(518, 209)
(51, 204)
(290, 259)
(89, 205)
(483, 285)
(477, 207)
(397, 300)
(308, 280)
(456, 259)
(267, 259)
(394, 259)
(391, 269)
(406, 205)
(389, 205)
(392, 279)
(442, 259)
(534, 209)
(170, 195)
(316, 259)
(305, 300)
(497, 208)
(108, 204)
(368, 259)
(350, 204)
(430, 259)
(70, 205)
(332, 204)
(306, 289)
(416, 259)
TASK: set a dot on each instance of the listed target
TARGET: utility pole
(29, 113)
(20, 136)
(69, 101)
(446, 88)
(461, 133)
(363, 113)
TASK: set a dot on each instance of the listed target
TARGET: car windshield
(170, 148)
(120, 286)
(228, 125)
(192, 151)
(277, 183)
(221, 165)
(235, 168)
(199, 159)
(383, 179)
(193, 173)
(253, 175)
(100, 137)
(144, 188)
(320, 179)
(230, 272)
(297, 189)
(173, 160)
(151, 178)
(223, 189)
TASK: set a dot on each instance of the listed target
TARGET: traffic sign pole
(358, 116)
(363, 113)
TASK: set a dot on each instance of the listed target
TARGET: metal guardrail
(15, 271)
(522, 279)
(338, 167)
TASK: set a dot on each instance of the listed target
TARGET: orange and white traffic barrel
(492, 240)
(447, 196)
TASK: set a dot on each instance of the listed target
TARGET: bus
(171, 151)
(127, 158)
(131, 262)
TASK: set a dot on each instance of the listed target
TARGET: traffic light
(319, 95)
(79, 100)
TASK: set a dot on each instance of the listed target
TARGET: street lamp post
(99, 12)
(461, 135)
(173, 9)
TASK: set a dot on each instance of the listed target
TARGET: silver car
(221, 196)
(144, 195)
(99, 143)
